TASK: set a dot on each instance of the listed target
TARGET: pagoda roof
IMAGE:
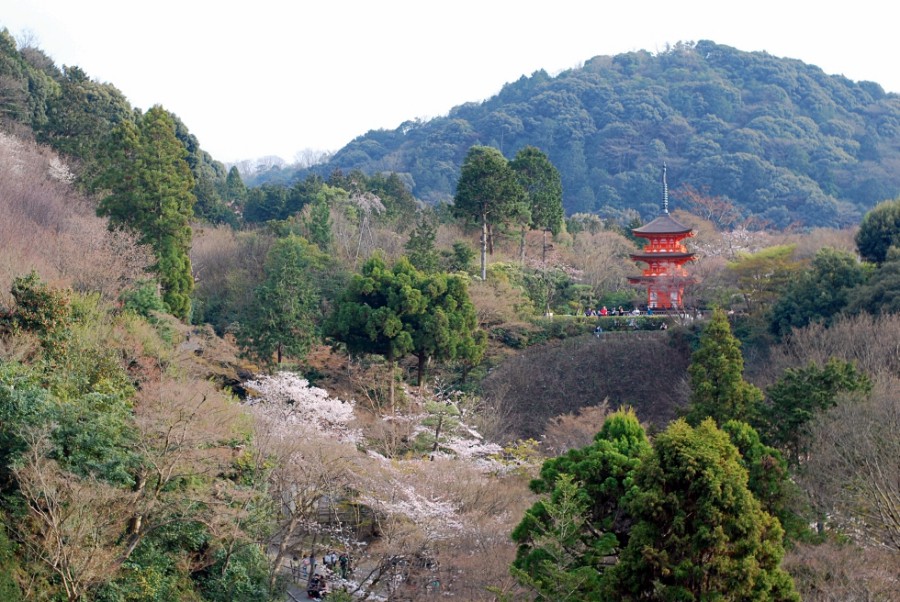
(661, 255)
(664, 224)
(667, 278)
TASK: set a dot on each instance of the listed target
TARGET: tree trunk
(282, 549)
(422, 358)
(484, 237)
(544, 246)
(391, 369)
(312, 559)
(280, 350)
(522, 246)
(437, 433)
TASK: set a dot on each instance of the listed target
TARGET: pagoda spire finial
(665, 192)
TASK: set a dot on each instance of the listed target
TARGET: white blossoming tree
(404, 521)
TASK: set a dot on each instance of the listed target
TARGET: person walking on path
(344, 562)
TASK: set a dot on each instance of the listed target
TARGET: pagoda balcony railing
(664, 274)
(665, 249)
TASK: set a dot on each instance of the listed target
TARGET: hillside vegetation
(203, 383)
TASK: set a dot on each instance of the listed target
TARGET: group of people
(603, 311)
(337, 564)
(333, 565)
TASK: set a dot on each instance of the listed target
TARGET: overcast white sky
(274, 77)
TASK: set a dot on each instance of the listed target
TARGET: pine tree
(420, 246)
(235, 190)
(448, 328)
(569, 537)
(488, 194)
(543, 188)
(282, 320)
(376, 311)
(318, 223)
(718, 388)
(149, 190)
(399, 310)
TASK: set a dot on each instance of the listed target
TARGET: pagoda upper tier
(665, 256)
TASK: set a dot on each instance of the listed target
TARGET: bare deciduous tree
(854, 469)
(72, 524)
(574, 429)
(843, 572)
(603, 258)
(37, 202)
(184, 435)
(871, 343)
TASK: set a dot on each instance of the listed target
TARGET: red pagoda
(665, 256)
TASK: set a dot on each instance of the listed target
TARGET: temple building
(665, 256)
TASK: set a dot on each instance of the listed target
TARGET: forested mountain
(777, 137)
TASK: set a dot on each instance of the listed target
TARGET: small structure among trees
(665, 256)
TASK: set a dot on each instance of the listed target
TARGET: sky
(281, 77)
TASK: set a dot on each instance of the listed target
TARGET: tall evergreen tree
(768, 478)
(699, 534)
(376, 311)
(622, 519)
(718, 388)
(799, 395)
(235, 190)
(397, 311)
(543, 189)
(149, 190)
(318, 222)
(420, 246)
(820, 293)
(487, 194)
(82, 115)
(448, 328)
(282, 320)
(567, 539)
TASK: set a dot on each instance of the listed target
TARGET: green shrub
(9, 590)
(144, 300)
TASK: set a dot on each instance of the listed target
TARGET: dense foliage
(397, 311)
(489, 195)
(699, 533)
(819, 294)
(623, 519)
(148, 187)
(879, 231)
(113, 491)
(282, 318)
(801, 394)
(779, 138)
(718, 388)
(579, 541)
(74, 114)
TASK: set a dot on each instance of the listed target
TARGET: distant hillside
(777, 137)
